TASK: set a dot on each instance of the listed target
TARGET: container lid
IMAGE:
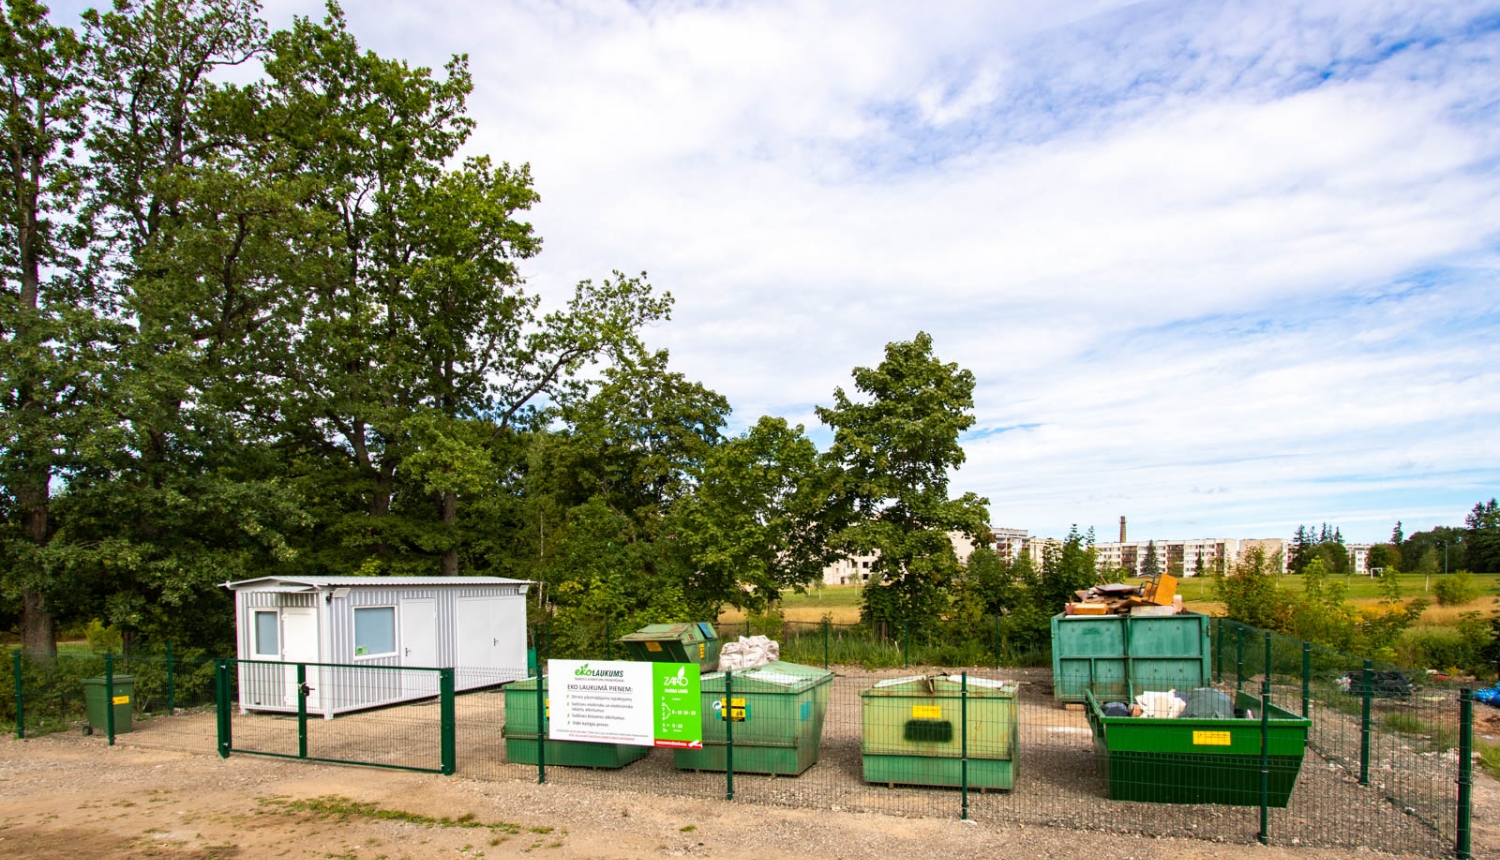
(119, 679)
(774, 677)
(942, 687)
(687, 633)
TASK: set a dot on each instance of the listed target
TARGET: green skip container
(914, 732)
(777, 710)
(519, 732)
(692, 642)
(96, 703)
(1112, 654)
(1199, 760)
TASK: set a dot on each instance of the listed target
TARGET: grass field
(842, 601)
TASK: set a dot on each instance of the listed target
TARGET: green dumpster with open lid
(777, 710)
(689, 642)
(913, 731)
(1193, 760)
(520, 731)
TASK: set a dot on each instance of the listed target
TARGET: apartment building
(1009, 544)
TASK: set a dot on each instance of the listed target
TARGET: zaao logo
(678, 680)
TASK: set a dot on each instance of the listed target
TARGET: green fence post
(963, 740)
(997, 643)
(1306, 678)
(301, 710)
(826, 625)
(1265, 747)
(905, 642)
(1218, 650)
(20, 696)
(609, 653)
(171, 683)
(1465, 772)
(726, 713)
(1239, 659)
(541, 725)
(449, 718)
(221, 706)
(1366, 689)
(109, 696)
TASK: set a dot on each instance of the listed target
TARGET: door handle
(408, 652)
(304, 690)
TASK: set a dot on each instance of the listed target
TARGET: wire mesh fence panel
(374, 715)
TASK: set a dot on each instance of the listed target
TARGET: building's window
(865, 565)
(265, 635)
(375, 631)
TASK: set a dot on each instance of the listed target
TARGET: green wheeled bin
(1188, 760)
(691, 642)
(914, 732)
(777, 710)
(95, 705)
(1112, 654)
(520, 729)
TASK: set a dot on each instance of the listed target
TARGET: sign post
(626, 702)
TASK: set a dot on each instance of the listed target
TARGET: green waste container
(519, 732)
(94, 702)
(913, 732)
(1199, 760)
(778, 712)
(692, 642)
(1112, 654)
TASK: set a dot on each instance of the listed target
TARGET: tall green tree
(1152, 565)
(47, 328)
(896, 448)
(1482, 540)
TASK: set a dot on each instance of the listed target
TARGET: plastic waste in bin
(94, 695)
(1187, 760)
(692, 642)
(913, 732)
(777, 710)
(519, 732)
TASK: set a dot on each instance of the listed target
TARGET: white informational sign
(625, 702)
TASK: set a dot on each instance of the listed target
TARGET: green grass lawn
(1358, 588)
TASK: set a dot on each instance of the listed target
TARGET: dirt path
(67, 797)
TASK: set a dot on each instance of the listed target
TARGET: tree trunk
(450, 519)
(38, 628)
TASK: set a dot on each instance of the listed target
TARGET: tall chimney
(1122, 529)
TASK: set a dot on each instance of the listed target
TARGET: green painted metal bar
(449, 720)
(302, 710)
(1462, 846)
(1265, 748)
(20, 696)
(826, 625)
(221, 706)
(905, 642)
(1218, 650)
(321, 760)
(997, 643)
(963, 742)
(171, 683)
(609, 653)
(1239, 658)
(727, 714)
(109, 696)
(1306, 677)
(541, 724)
(1366, 690)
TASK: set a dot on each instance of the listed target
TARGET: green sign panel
(679, 707)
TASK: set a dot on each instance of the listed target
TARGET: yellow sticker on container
(121, 700)
(926, 712)
(653, 646)
(702, 650)
(1210, 739)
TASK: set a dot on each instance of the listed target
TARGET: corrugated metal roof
(383, 581)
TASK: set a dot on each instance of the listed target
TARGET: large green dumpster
(914, 732)
(519, 732)
(1187, 760)
(96, 707)
(1110, 653)
(777, 711)
(693, 642)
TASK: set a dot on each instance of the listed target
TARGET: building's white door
(299, 644)
(419, 646)
(478, 642)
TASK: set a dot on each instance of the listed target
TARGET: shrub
(1455, 589)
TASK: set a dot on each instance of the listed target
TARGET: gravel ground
(1058, 782)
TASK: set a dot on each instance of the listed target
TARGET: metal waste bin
(1110, 654)
(1188, 760)
(94, 696)
(691, 642)
(519, 732)
(913, 732)
(777, 710)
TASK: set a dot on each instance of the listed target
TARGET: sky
(1219, 267)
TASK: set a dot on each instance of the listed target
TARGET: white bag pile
(748, 653)
(1161, 705)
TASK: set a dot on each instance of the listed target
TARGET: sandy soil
(69, 797)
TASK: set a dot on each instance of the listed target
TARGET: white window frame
(395, 632)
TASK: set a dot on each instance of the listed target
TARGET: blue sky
(1222, 268)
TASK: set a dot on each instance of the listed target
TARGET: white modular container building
(366, 630)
